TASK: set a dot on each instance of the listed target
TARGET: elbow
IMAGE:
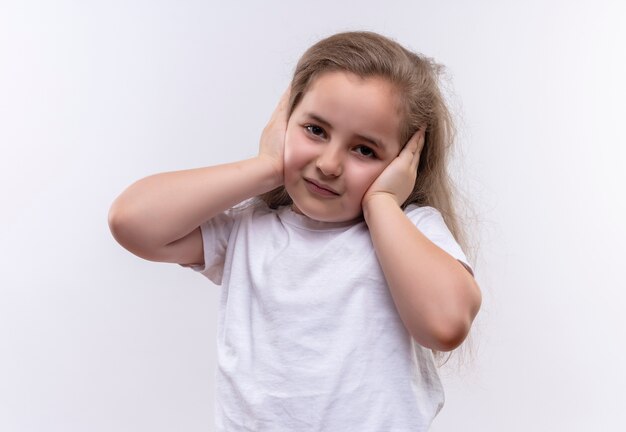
(126, 232)
(456, 331)
(115, 223)
(443, 339)
(452, 332)
(118, 224)
(451, 338)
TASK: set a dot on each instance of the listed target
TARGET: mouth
(320, 187)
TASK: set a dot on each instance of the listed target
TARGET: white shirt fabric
(309, 338)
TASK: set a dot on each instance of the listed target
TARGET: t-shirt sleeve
(431, 223)
(215, 234)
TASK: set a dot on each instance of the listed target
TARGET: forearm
(436, 297)
(162, 208)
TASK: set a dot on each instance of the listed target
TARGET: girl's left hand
(398, 178)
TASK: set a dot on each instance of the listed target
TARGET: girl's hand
(398, 179)
(272, 144)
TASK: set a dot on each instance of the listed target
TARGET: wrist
(274, 169)
(378, 201)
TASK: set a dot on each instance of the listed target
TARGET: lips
(321, 186)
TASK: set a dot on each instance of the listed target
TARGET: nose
(330, 161)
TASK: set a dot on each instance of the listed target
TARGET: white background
(97, 94)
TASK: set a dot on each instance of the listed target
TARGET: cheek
(364, 178)
(289, 152)
(298, 151)
(295, 156)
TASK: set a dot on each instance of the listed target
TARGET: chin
(319, 209)
(325, 215)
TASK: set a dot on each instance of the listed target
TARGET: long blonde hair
(416, 79)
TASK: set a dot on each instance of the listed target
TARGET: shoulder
(252, 215)
(423, 214)
(249, 209)
(431, 223)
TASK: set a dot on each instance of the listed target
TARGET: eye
(365, 151)
(314, 129)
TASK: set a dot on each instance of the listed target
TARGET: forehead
(354, 105)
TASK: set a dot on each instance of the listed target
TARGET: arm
(161, 210)
(436, 297)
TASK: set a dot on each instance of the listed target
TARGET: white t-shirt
(309, 338)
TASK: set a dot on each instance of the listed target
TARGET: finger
(413, 148)
(281, 108)
(422, 139)
(284, 99)
(408, 151)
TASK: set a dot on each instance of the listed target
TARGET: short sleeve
(215, 234)
(431, 223)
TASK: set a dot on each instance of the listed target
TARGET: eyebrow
(375, 142)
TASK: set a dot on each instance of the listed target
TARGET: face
(340, 137)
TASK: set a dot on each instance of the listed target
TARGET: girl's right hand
(272, 143)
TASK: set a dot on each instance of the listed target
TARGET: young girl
(339, 275)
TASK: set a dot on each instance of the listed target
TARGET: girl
(340, 278)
